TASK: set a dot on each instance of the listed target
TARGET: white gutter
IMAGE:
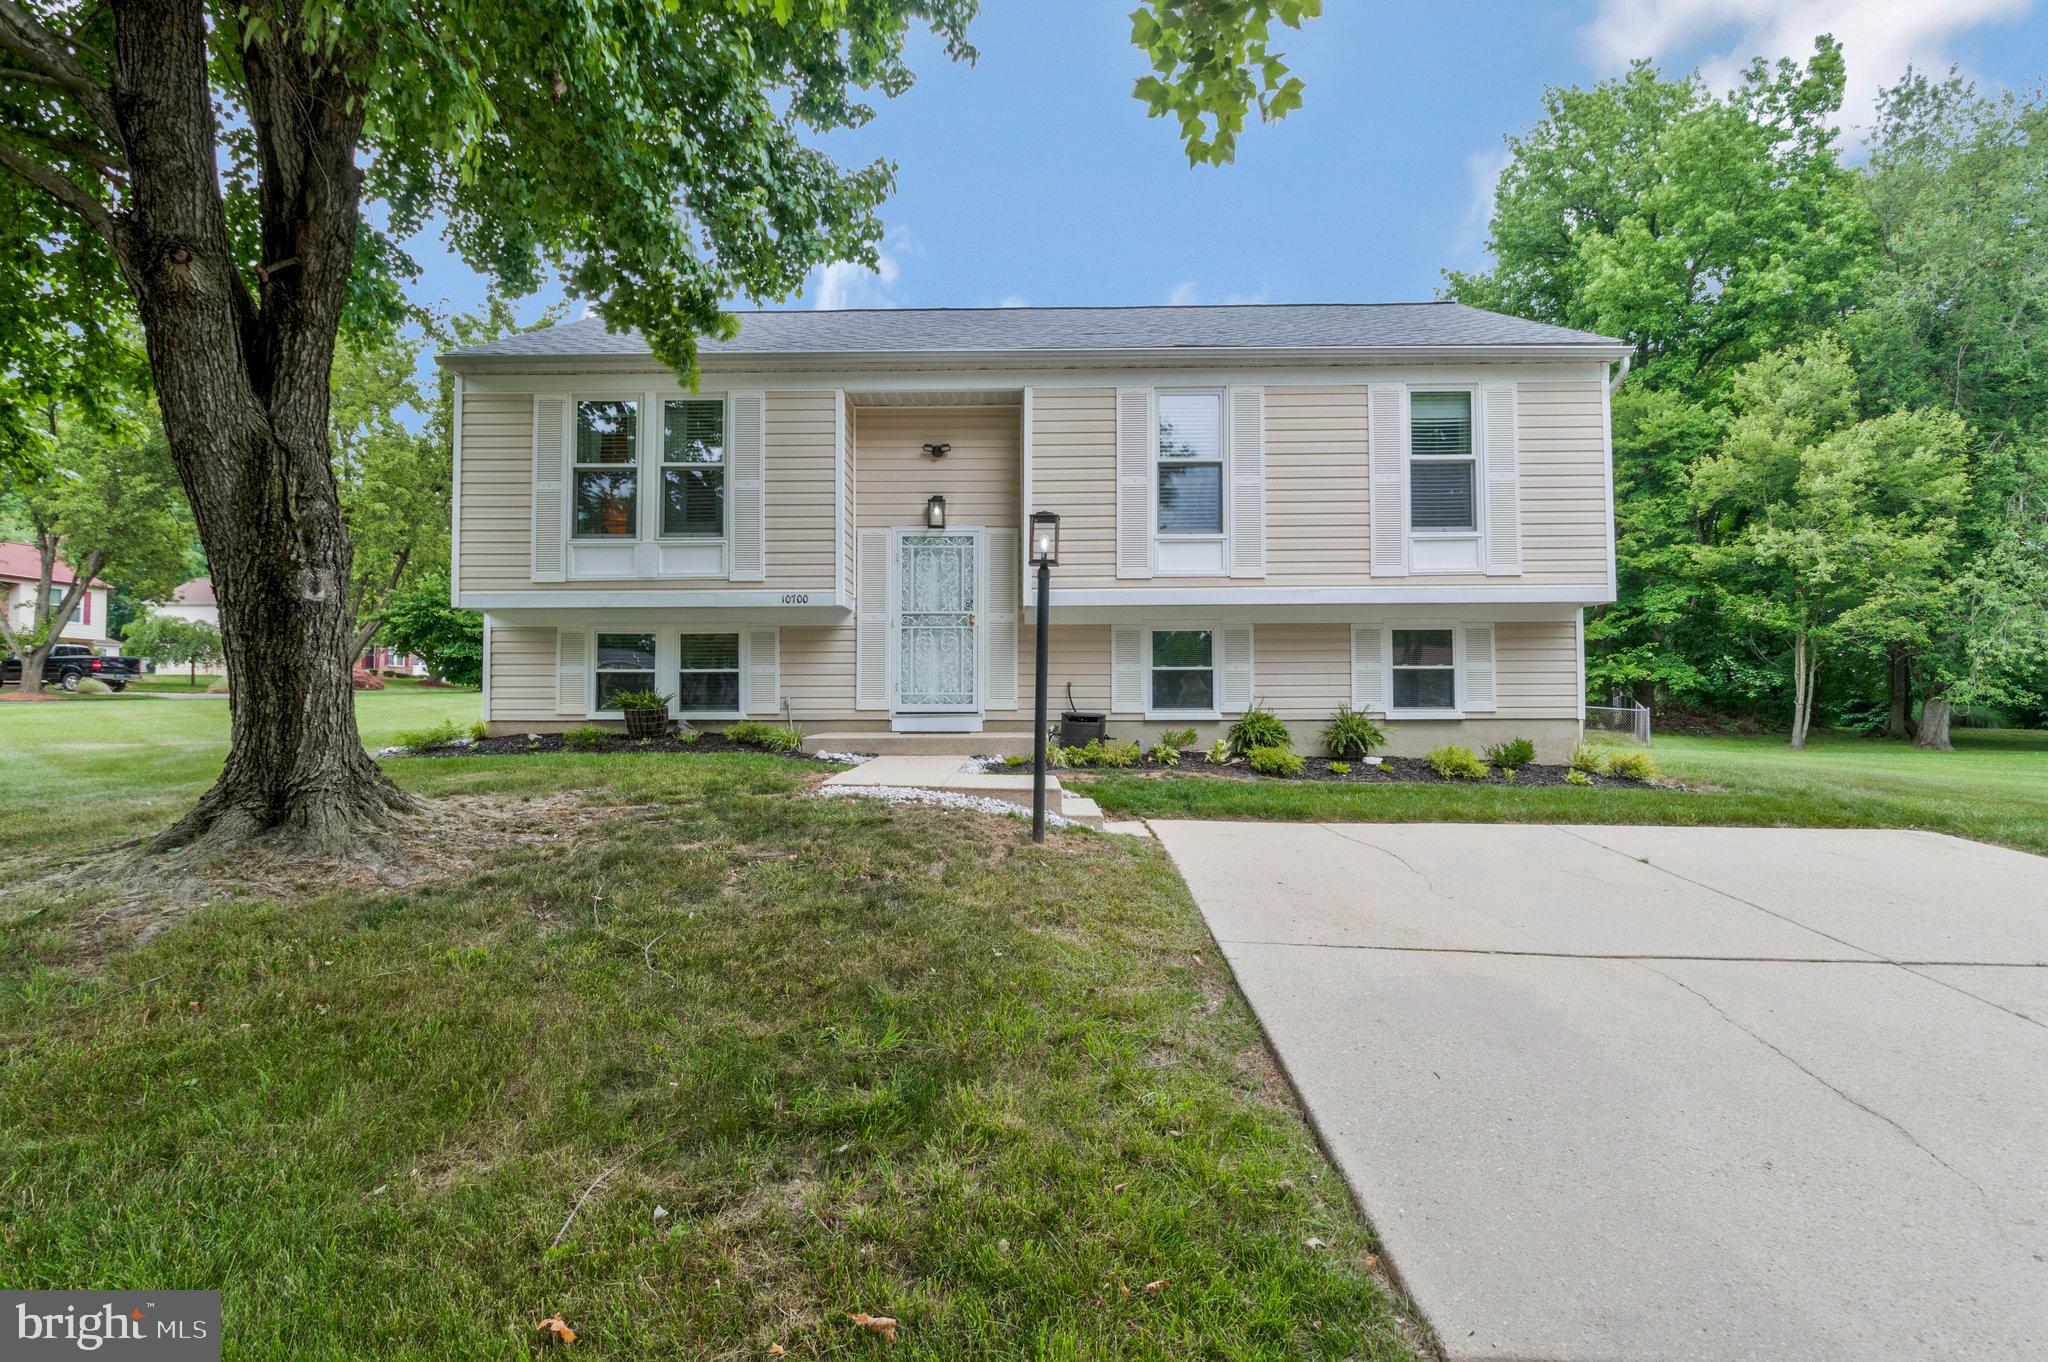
(1614, 385)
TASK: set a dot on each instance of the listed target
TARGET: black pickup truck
(70, 663)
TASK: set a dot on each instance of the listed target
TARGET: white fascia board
(1407, 614)
(785, 606)
(1564, 598)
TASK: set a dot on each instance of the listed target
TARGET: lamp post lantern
(1045, 551)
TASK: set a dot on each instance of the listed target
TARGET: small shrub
(1015, 759)
(1456, 763)
(430, 737)
(1276, 761)
(92, 685)
(1632, 766)
(479, 730)
(1258, 727)
(589, 738)
(1171, 743)
(1219, 752)
(640, 699)
(1165, 755)
(1340, 768)
(1512, 755)
(768, 737)
(1589, 759)
(1057, 758)
(1577, 777)
(689, 737)
(1117, 754)
(1352, 734)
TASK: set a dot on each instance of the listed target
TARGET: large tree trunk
(243, 385)
(1898, 721)
(1934, 719)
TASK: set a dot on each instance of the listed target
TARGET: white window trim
(675, 703)
(1215, 630)
(1408, 462)
(1457, 631)
(1222, 465)
(662, 465)
(668, 661)
(576, 467)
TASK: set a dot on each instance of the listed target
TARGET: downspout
(1614, 384)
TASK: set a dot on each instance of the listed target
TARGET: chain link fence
(1622, 723)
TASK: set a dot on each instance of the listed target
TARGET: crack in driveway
(1869, 961)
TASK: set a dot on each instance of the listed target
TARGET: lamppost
(1045, 551)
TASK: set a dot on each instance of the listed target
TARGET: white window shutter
(550, 476)
(572, 672)
(764, 670)
(1237, 669)
(1503, 480)
(871, 620)
(1137, 444)
(1387, 440)
(1368, 669)
(1247, 482)
(746, 456)
(1478, 679)
(1004, 559)
(1126, 669)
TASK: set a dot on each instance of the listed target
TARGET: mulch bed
(521, 744)
(1390, 771)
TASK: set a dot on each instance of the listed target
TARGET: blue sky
(1033, 176)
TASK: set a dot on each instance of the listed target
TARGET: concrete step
(955, 775)
(990, 744)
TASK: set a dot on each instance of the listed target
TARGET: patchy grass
(1993, 787)
(864, 1058)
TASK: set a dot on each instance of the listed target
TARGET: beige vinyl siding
(818, 672)
(1302, 672)
(522, 672)
(1073, 472)
(496, 527)
(978, 478)
(1536, 670)
(1079, 653)
(1317, 499)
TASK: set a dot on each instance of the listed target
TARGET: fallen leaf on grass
(775, 1350)
(555, 1331)
(1154, 1288)
(881, 1324)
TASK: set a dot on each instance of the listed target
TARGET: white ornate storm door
(936, 644)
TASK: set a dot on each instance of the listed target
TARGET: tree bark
(243, 385)
(1802, 690)
(1934, 719)
(1898, 721)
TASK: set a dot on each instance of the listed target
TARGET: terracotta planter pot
(646, 723)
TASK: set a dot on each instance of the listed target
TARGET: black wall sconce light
(938, 451)
(935, 513)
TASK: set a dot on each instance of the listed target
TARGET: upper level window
(1442, 472)
(693, 467)
(709, 680)
(607, 491)
(624, 662)
(1190, 463)
(1425, 669)
(1184, 670)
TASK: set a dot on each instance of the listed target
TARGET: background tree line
(1831, 457)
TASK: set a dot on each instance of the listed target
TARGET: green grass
(1993, 787)
(866, 1059)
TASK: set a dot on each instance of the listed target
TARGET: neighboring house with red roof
(20, 572)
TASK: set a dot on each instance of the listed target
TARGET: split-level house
(1405, 508)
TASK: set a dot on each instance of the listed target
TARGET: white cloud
(1483, 170)
(1264, 295)
(1184, 294)
(843, 284)
(1187, 293)
(1014, 300)
(1880, 38)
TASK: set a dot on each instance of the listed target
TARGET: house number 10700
(796, 598)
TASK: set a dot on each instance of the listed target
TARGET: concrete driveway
(1663, 1093)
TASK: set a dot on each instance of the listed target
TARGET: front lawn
(793, 1058)
(1993, 787)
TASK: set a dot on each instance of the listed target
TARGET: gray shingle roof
(1285, 326)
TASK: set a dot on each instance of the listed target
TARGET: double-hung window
(693, 468)
(1190, 463)
(625, 662)
(708, 680)
(606, 494)
(1425, 669)
(1183, 671)
(1443, 473)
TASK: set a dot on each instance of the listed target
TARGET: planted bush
(1117, 754)
(1171, 743)
(770, 737)
(1456, 763)
(1577, 777)
(1589, 759)
(479, 730)
(639, 699)
(1258, 728)
(1219, 751)
(1632, 766)
(1513, 754)
(1276, 761)
(1340, 768)
(417, 739)
(1352, 734)
(589, 738)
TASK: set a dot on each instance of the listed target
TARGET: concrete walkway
(1662, 1093)
(964, 776)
